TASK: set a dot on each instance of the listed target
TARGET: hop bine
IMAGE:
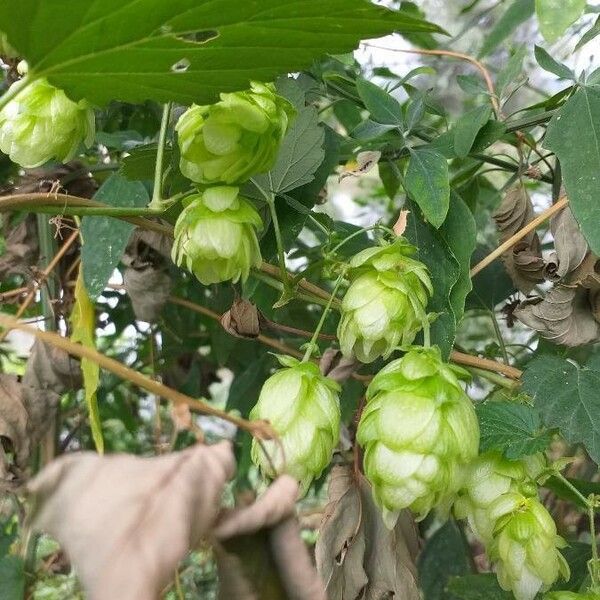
(385, 304)
(418, 430)
(215, 236)
(234, 139)
(303, 407)
(41, 123)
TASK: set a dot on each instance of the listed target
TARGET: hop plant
(215, 236)
(525, 546)
(418, 431)
(303, 407)
(235, 138)
(41, 124)
(487, 478)
(385, 304)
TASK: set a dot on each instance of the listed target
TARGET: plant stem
(280, 248)
(360, 232)
(157, 198)
(499, 336)
(460, 358)
(14, 90)
(494, 378)
(315, 337)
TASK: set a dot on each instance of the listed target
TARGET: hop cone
(490, 476)
(303, 407)
(385, 304)
(418, 430)
(235, 138)
(41, 124)
(215, 236)
(525, 546)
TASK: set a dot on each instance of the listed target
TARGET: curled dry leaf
(364, 162)
(570, 247)
(587, 274)
(262, 544)
(524, 261)
(126, 521)
(21, 251)
(14, 439)
(242, 320)
(402, 223)
(564, 316)
(335, 366)
(146, 277)
(357, 556)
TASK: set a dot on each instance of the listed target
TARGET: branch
(485, 363)
(260, 429)
(511, 241)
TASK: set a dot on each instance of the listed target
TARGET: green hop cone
(525, 546)
(303, 407)
(418, 431)
(215, 236)
(41, 124)
(487, 478)
(385, 304)
(234, 139)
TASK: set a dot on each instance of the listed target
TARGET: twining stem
(499, 336)
(495, 378)
(260, 429)
(510, 242)
(313, 341)
(468, 360)
(360, 232)
(157, 198)
(279, 239)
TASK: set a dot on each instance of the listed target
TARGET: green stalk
(280, 248)
(157, 199)
(95, 211)
(376, 227)
(492, 377)
(313, 341)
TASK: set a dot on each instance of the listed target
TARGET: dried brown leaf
(523, 262)
(569, 244)
(402, 223)
(357, 556)
(126, 521)
(336, 366)
(242, 320)
(14, 438)
(587, 274)
(275, 505)
(564, 316)
(149, 290)
(21, 251)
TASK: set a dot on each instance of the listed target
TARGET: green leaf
(246, 386)
(445, 555)
(105, 238)
(300, 154)
(518, 12)
(491, 285)
(574, 136)
(589, 35)
(483, 586)
(511, 428)
(12, 578)
(427, 183)
(577, 555)
(567, 397)
(140, 163)
(467, 128)
(511, 71)
(384, 108)
(552, 65)
(555, 16)
(388, 174)
(185, 50)
(445, 272)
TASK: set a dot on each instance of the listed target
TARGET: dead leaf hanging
(125, 521)
(336, 366)
(357, 556)
(564, 316)
(524, 262)
(242, 320)
(570, 246)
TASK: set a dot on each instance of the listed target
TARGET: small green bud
(215, 236)
(419, 431)
(525, 546)
(41, 124)
(234, 139)
(303, 407)
(385, 304)
(487, 478)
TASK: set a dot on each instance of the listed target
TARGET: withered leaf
(569, 244)
(336, 366)
(357, 556)
(21, 251)
(242, 320)
(587, 274)
(524, 262)
(149, 290)
(13, 428)
(126, 521)
(564, 316)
